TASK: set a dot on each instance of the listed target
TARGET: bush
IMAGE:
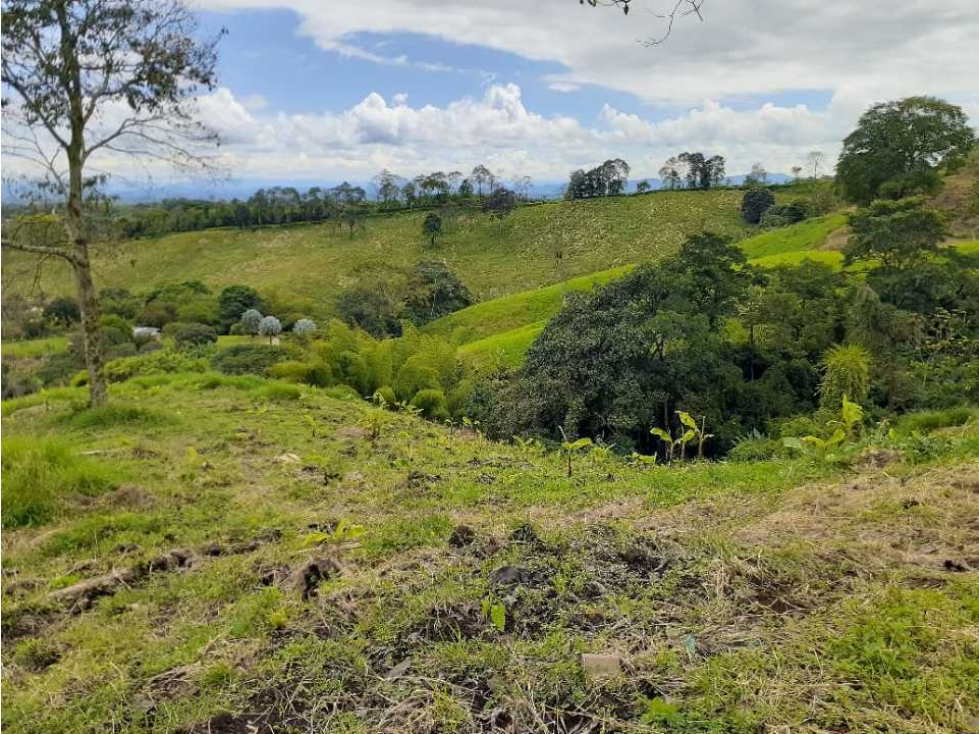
(160, 362)
(280, 391)
(63, 312)
(316, 373)
(385, 396)
(304, 327)
(157, 314)
(932, 420)
(59, 367)
(342, 392)
(369, 309)
(757, 448)
(432, 404)
(245, 359)
(192, 335)
(18, 382)
(39, 476)
(755, 203)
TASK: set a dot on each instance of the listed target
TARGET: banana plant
(698, 432)
(851, 415)
(692, 431)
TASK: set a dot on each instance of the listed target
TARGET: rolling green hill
(497, 333)
(303, 268)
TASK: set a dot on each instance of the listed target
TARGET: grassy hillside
(308, 266)
(497, 333)
(517, 310)
(235, 555)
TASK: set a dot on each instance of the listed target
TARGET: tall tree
(480, 175)
(87, 77)
(815, 159)
(897, 148)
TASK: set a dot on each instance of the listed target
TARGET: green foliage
(161, 362)
(897, 147)
(434, 291)
(431, 403)
(369, 309)
(316, 373)
(280, 392)
(384, 396)
(191, 335)
(755, 203)
(900, 234)
(432, 228)
(846, 372)
(235, 300)
(242, 359)
(62, 311)
(41, 476)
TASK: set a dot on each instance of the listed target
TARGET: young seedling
(851, 415)
(571, 447)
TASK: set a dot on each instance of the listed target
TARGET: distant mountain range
(243, 188)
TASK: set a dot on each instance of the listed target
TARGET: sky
(325, 90)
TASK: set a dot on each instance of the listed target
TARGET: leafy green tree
(500, 205)
(191, 335)
(755, 203)
(434, 291)
(479, 176)
(898, 146)
(62, 311)
(432, 228)
(715, 269)
(234, 300)
(899, 234)
(370, 309)
(85, 77)
(642, 187)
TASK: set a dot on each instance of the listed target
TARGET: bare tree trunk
(89, 304)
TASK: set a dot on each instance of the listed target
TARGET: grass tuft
(40, 476)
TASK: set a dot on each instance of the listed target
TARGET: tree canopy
(898, 146)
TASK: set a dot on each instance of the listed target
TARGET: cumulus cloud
(498, 129)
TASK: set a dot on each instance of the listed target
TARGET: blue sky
(311, 90)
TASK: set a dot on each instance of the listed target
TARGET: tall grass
(40, 476)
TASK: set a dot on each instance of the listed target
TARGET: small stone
(516, 575)
(600, 664)
(286, 458)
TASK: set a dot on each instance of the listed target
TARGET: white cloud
(744, 47)
(498, 129)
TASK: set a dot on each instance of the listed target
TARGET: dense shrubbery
(428, 291)
(704, 333)
(247, 359)
(414, 369)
